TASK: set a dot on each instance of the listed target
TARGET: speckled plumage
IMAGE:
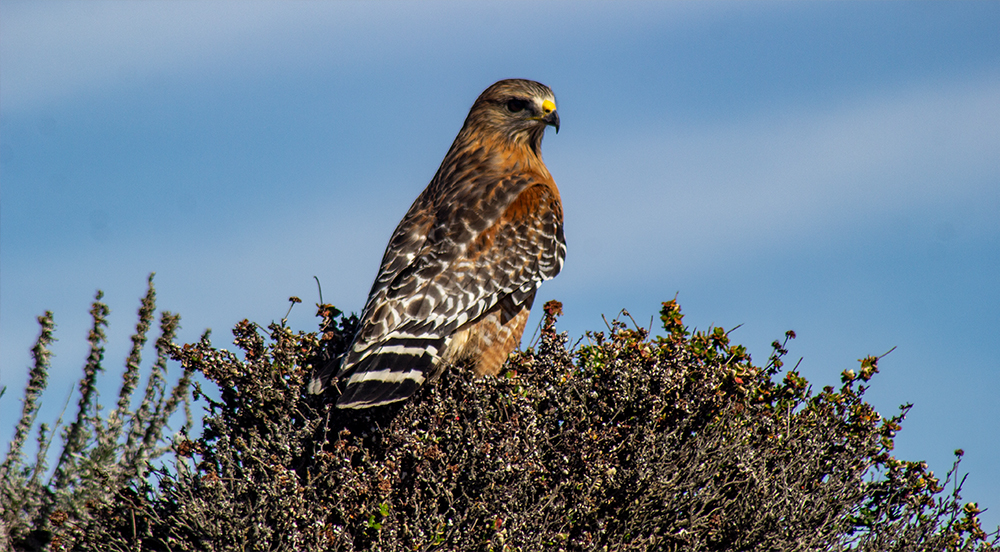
(461, 270)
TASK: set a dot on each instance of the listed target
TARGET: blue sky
(831, 168)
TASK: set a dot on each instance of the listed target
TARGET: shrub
(629, 442)
(101, 455)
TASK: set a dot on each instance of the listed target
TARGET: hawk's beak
(552, 119)
(551, 116)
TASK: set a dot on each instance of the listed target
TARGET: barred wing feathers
(429, 289)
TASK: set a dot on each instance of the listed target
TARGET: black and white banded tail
(386, 373)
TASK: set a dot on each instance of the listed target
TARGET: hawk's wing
(444, 267)
(452, 276)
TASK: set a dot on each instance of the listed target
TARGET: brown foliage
(626, 443)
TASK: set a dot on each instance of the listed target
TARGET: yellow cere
(548, 106)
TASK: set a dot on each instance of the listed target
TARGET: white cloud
(55, 50)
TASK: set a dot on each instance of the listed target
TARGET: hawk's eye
(516, 105)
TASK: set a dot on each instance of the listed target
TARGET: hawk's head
(515, 109)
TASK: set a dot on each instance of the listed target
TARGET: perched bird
(461, 270)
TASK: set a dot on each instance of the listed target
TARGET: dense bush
(627, 442)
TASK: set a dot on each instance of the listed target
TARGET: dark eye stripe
(514, 105)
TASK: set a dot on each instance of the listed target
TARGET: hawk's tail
(321, 378)
(392, 372)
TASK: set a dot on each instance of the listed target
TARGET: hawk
(460, 273)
